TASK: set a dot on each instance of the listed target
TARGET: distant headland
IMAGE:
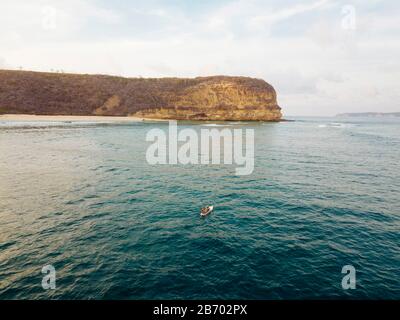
(370, 114)
(202, 98)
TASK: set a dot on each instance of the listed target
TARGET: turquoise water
(80, 196)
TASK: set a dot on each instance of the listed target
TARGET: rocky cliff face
(203, 98)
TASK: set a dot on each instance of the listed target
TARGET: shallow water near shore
(80, 196)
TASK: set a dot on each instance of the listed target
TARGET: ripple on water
(116, 228)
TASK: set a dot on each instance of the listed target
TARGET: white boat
(206, 212)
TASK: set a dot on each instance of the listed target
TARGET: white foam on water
(215, 125)
(334, 125)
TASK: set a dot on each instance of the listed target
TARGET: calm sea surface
(80, 196)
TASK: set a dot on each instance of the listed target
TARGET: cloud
(3, 64)
(25, 22)
(272, 17)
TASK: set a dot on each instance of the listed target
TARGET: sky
(323, 57)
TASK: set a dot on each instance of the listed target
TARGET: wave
(335, 125)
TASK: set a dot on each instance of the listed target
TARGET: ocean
(81, 197)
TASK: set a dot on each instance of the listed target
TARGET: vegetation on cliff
(202, 98)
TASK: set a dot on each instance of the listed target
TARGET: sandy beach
(50, 118)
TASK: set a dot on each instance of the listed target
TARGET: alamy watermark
(211, 146)
(49, 18)
(349, 280)
(49, 278)
(349, 17)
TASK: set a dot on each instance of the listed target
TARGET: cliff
(202, 98)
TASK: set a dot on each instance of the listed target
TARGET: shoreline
(70, 118)
(67, 118)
